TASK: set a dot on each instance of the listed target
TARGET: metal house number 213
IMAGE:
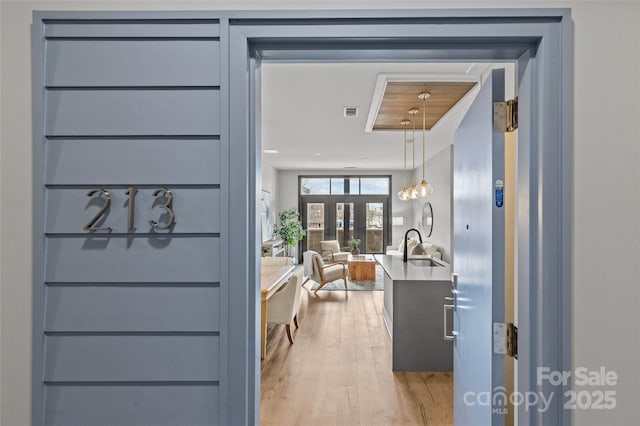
(131, 201)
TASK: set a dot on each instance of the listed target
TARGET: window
(337, 185)
(354, 185)
(314, 186)
(339, 207)
(374, 186)
(344, 185)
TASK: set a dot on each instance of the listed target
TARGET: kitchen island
(414, 296)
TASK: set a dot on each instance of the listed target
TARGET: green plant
(354, 242)
(289, 228)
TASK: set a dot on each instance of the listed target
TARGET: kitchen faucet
(404, 255)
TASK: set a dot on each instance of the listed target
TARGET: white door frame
(540, 38)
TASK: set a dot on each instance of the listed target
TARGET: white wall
(269, 179)
(606, 300)
(439, 173)
(288, 193)
(606, 241)
(268, 183)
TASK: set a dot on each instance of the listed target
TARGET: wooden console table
(273, 248)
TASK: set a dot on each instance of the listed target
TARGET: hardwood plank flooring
(338, 371)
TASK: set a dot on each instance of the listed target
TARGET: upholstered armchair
(331, 252)
(285, 303)
(324, 273)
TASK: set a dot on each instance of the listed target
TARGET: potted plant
(289, 228)
(354, 243)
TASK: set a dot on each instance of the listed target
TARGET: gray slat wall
(131, 321)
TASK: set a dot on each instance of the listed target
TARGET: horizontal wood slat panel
(133, 63)
(129, 328)
(137, 161)
(118, 405)
(133, 29)
(146, 259)
(133, 112)
(153, 309)
(131, 358)
(197, 210)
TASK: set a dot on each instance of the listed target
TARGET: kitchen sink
(423, 262)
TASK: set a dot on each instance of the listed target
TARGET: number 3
(168, 208)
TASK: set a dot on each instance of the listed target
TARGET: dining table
(272, 277)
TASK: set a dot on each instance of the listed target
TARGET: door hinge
(505, 116)
(512, 340)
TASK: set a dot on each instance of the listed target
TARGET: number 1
(131, 192)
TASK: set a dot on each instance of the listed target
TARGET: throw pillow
(418, 250)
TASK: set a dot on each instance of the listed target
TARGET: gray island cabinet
(414, 296)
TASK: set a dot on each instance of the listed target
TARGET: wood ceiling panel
(400, 97)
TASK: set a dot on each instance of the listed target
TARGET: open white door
(479, 260)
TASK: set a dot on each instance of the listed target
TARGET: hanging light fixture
(424, 189)
(413, 189)
(403, 195)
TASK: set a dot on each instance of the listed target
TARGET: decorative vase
(355, 251)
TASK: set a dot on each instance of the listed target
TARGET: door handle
(453, 298)
(454, 333)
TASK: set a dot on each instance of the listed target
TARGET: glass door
(375, 227)
(345, 218)
(345, 207)
(314, 221)
(340, 220)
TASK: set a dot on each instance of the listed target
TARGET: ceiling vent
(351, 111)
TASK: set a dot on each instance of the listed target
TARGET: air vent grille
(351, 111)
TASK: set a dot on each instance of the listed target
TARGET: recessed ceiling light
(270, 151)
(318, 154)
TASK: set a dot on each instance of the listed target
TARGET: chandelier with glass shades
(424, 189)
(404, 193)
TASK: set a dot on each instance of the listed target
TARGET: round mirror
(427, 219)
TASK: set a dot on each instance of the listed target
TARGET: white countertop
(398, 270)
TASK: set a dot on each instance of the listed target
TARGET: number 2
(106, 197)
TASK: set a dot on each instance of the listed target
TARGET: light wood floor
(338, 371)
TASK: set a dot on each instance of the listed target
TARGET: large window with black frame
(344, 208)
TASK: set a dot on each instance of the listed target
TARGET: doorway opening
(545, 96)
(334, 205)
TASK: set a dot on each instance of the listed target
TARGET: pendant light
(413, 190)
(403, 195)
(424, 189)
